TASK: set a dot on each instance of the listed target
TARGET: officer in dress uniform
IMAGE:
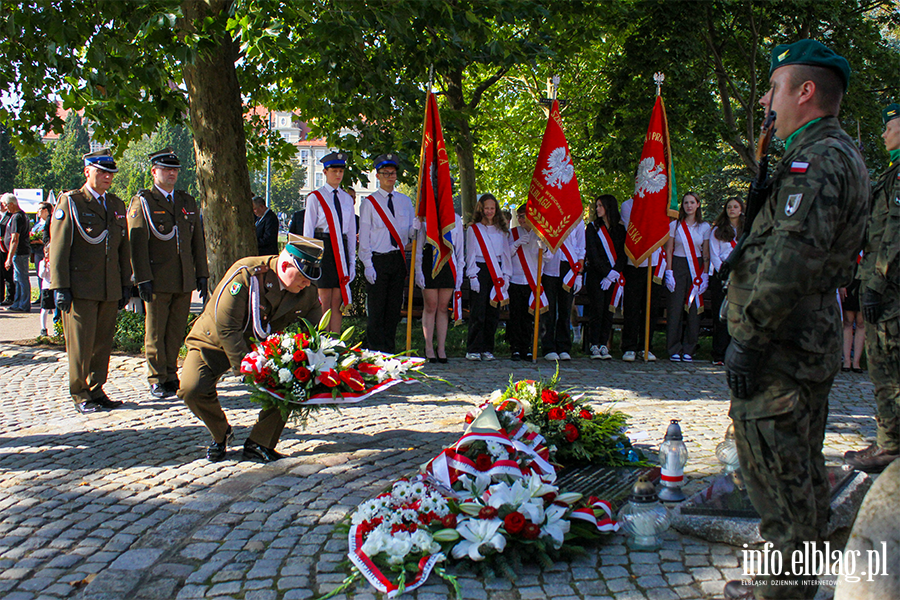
(331, 204)
(879, 273)
(90, 267)
(168, 256)
(259, 295)
(783, 314)
(382, 255)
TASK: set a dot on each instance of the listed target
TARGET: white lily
(319, 362)
(555, 527)
(514, 495)
(568, 498)
(538, 488)
(478, 533)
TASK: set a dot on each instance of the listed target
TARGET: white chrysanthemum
(418, 489)
(497, 450)
(270, 365)
(287, 357)
(287, 342)
(423, 542)
(285, 375)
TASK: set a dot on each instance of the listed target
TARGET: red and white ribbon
(497, 293)
(659, 270)
(574, 267)
(618, 293)
(373, 574)
(694, 265)
(529, 267)
(337, 248)
(456, 306)
(389, 224)
(604, 523)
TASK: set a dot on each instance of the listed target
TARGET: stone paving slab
(122, 504)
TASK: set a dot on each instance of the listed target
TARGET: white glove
(576, 286)
(704, 282)
(420, 279)
(505, 288)
(517, 244)
(417, 224)
(370, 275)
(670, 281)
(606, 283)
(352, 273)
(474, 285)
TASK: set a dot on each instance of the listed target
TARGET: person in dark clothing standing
(266, 227)
(605, 249)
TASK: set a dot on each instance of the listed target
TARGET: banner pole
(412, 261)
(537, 311)
(647, 332)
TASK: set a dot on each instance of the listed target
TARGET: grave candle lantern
(643, 519)
(673, 456)
(726, 451)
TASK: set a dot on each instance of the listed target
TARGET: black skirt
(851, 302)
(444, 277)
(329, 278)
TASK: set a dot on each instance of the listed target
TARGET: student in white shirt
(687, 279)
(726, 230)
(484, 313)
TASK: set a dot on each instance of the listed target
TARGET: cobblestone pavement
(122, 504)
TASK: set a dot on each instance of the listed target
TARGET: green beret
(810, 52)
(890, 112)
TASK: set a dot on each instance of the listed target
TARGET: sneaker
(686, 358)
(516, 356)
(473, 356)
(604, 353)
(487, 356)
(551, 356)
(675, 358)
(529, 357)
(629, 356)
(595, 352)
(564, 356)
(43, 333)
(650, 356)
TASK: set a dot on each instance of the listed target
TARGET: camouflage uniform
(880, 271)
(782, 301)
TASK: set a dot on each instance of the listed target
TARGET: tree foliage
(66, 157)
(9, 165)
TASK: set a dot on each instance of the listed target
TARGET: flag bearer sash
(618, 290)
(529, 267)
(694, 265)
(340, 257)
(388, 223)
(497, 295)
(456, 307)
(659, 270)
(574, 267)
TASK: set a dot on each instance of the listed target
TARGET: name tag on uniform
(159, 212)
(799, 167)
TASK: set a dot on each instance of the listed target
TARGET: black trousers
(521, 324)
(600, 317)
(384, 299)
(634, 306)
(556, 335)
(7, 281)
(483, 318)
(721, 339)
(682, 326)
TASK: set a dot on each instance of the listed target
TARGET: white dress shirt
(530, 247)
(699, 234)
(496, 240)
(718, 250)
(315, 219)
(374, 236)
(575, 244)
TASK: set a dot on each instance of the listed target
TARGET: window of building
(320, 154)
(320, 179)
(304, 157)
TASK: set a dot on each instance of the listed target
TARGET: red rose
(586, 415)
(330, 378)
(514, 522)
(571, 433)
(549, 397)
(569, 406)
(449, 521)
(488, 512)
(353, 380)
(557, 414)
(299, 356)
(483, 462)
(531, 531)
(368, 368)
(302, 374)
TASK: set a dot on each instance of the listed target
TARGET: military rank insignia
(134, 211)
(792, 204)
(235, 288)
(59, 214)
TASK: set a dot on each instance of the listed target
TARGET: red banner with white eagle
(655, 192)
(554, 201)
(435, 201)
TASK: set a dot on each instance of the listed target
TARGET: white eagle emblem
(560, 169)
(650, 178)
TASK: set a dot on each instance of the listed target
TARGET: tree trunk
(220, 147)
(463, 143)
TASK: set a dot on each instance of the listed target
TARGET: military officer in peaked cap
(168, 256)
(385, 228)
(879, 273)
(783, 314)
(259, 295)
(330, 217)
(90, 268)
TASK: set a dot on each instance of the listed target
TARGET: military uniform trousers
(384, 299)
(166, 326)
(202, 370)
(779, 434)
(883, 355)
(89, 326)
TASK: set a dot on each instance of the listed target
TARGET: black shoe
(87, 407)
(217, 450)
(432, 360)
(871, 460)
(36, 302)
(43, 333)
(172, 387)
(254, 451)
(738, 590)
(158, 390)
(7, 302)
(104, 401)
(516, 356)
(442, 360)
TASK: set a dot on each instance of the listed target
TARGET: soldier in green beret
(783, 313)
(879, 273)
(259, 295)
(168, 255)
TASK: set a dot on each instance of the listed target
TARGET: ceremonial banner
(655, 193)
(435, 199)
(554, 202)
